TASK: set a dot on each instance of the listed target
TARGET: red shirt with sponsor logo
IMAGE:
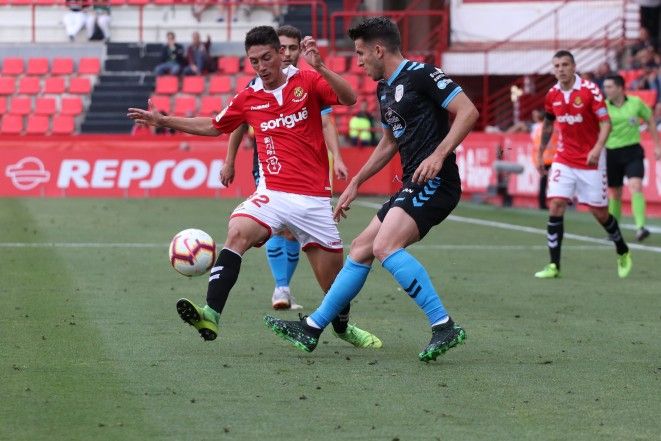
(287, 122)
(578, 113)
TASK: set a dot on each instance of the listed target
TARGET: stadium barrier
(177, 166)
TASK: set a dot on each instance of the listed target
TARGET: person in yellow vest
(549, 153)
(360, 127)
(624, 154)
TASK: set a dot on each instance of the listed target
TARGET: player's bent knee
(361, 251)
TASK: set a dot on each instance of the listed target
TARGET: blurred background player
(283, 250)
(284, 108)
(579, 167)
(415, 100)
(624, 154)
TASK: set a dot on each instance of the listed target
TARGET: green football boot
(298, 333)
(624, 264)
(550, 271)
(205, 320)
(443, 337)
(359, 338)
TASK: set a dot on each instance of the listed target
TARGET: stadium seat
(7, 85)
(63, 125)
(337, 63)
(37, 66)
(20, 105)
(80, 85)
(210, 105)
(354, 68)
(71, 106)
(37, 125)
(220, 84)
(247, 67)
(647, 96)
(164, 2)
(137, 2)
(12, 66)
(29, 85)
(228, 64)
(44, 106)
(11, 125)
(161, 103)
(89, 66)
(353, 80)
(193, 85)
(167, 85)
(62, 66)
(117, 2)
(630, 75)
(242, 82)
(369, 86)
(3, 105)
(185, 105)
(54, 85)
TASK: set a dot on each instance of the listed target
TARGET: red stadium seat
(228, 64)
(220, 84)
(12, 66)
(29, 85)
(164, 2)
(647, 96)
(354, 68)
(117, 2)
(137, 2)
(167, 85)
(71, 106)
(37, 66)
(80, 85)
(210, 105)
(11, 125)
(62, 66)
(185, 105)
(54, 85)
(44, 106)
(247, 67)
(337, 63)
(630, 76)
(369, 86)
(353, 80)
(161, 103)
(89, 66)
(193, 85)
(37, 125)
(7, 85)
(20, 105)
(63, 125)
(242, 82)
(3, 105)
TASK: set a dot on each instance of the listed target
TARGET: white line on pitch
(521, 228)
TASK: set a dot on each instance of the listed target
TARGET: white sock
(312, 323)
(440, 322)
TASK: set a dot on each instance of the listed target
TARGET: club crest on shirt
(578, 102)
(399, 92)
(300, 94)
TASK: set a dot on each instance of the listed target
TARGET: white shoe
(283, 299)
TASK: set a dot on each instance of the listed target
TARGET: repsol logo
(288, 121)
(570, 119)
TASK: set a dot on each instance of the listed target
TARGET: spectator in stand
(648, 81)
(98, 21)
(172, 57)
(224, 9)
(547, 158)
(75, 18)
(603, 70)
(361, 128)
(197, 55)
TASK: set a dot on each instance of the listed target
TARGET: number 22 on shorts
(259, 200)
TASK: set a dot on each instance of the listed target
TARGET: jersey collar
(397, 71)
(289, 71)
(576, 86)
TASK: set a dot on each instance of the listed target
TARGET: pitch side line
(524, 229)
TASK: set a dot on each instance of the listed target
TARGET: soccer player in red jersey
(579, 165)
(284, 108)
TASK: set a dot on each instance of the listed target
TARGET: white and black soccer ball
(192, 252)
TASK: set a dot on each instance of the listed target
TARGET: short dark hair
(564, 53)
(290, 31)
(377, 29)
(617, 79)
(262, 36)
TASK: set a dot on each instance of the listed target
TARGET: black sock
(613, 229)
(341, 322)
(555, 229)
(222, 278)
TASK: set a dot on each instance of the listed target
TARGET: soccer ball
(192, 252)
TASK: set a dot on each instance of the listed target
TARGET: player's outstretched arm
(465, 118)
(152, 117)
(340, 86)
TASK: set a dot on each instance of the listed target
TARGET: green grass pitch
(91, 346)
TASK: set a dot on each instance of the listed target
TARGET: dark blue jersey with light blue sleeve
(414, 103)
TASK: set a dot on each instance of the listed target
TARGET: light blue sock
(293, 248)
(346, 286)
(413, 278)
(276, 255)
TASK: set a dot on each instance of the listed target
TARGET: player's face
(292, 50)
(564, 69)
(612, 90)
(369, 59)
(267, 63)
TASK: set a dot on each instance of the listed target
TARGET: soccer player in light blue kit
(415, 100)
